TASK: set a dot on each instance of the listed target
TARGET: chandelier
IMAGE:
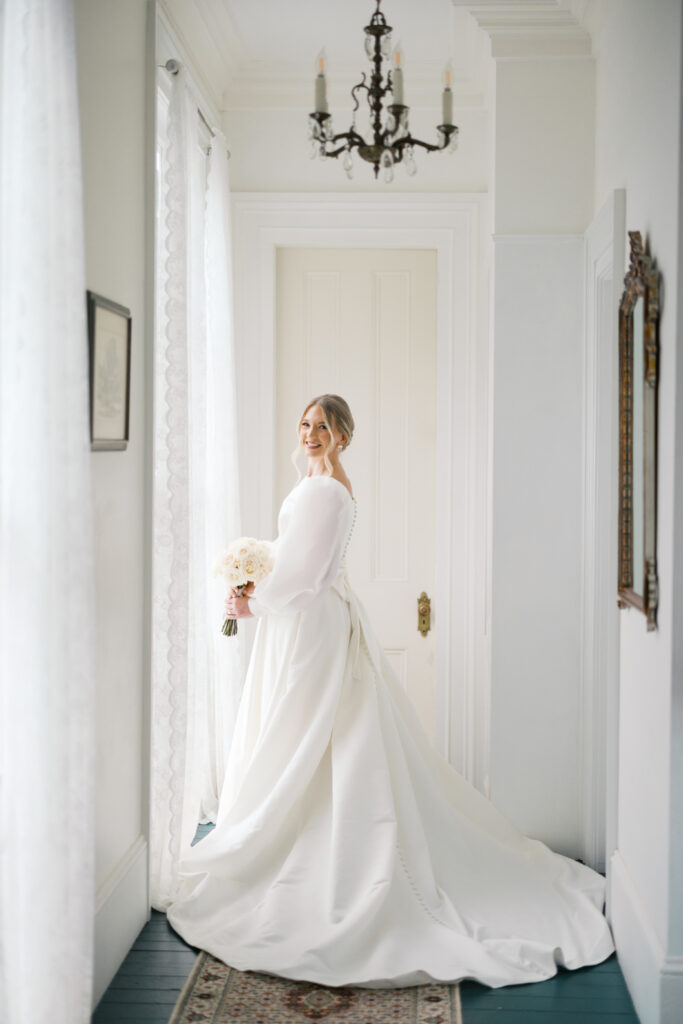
(391, 142)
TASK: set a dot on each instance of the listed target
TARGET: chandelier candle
(447, 97)
(320, 84)
(390, 142)
(397, 76)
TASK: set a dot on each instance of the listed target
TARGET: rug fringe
(181, 1001)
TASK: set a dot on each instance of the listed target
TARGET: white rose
(224, 564)
(246, 559)
(250, 565)
(236, 577)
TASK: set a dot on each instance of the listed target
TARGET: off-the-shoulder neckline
(321, 476)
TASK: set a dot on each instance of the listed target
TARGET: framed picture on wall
(109, 338)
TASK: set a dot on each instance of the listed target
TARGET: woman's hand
(238, 607)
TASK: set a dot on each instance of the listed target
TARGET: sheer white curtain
(226, 659)
(196, 672)
(46, 586)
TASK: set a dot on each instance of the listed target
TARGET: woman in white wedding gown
(347, 852)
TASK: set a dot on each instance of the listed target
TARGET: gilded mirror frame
(638, 381)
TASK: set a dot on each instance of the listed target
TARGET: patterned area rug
(216, 994)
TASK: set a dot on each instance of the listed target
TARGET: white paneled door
(362, 323)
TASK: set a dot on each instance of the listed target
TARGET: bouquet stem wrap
(230, 625)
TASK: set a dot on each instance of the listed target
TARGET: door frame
(452, 226)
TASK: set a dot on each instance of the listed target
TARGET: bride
(346, 851)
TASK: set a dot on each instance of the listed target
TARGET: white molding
(170, 44)
(539, 58)
(121, 910)
(367, 203)
(451, 226)
(671, 987)
(516, 239)
(533, 29)
(654, 979)
(509, 8)
(604, 247)
(639, 949)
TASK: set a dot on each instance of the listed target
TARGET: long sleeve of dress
(309, 549)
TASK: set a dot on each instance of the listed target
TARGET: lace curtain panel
(46, 588)
(196, 672)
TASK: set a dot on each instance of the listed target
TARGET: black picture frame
(109, 344)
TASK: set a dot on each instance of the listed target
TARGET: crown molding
(188, 37)
(171, 44)
(522, 29)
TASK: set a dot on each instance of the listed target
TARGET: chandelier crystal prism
(392, 142)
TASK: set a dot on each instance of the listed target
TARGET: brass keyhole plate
(424, 614)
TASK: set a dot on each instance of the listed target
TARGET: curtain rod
(173, 66)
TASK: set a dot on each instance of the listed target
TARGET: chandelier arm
(408, 140)
(329, 153)
(361, 85)
(354, 139)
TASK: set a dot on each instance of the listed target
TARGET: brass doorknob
(424, 614)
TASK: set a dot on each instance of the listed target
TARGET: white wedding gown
(347, 852)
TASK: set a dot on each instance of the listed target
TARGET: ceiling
(279, 32)
(262, 52)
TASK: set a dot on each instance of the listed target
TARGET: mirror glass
(638, 378)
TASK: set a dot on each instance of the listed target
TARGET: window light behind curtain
(196, 672)
(46, 583)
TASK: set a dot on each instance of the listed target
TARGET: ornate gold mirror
(638, 378)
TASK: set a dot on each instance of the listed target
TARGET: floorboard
(151, 977)
(148, 983)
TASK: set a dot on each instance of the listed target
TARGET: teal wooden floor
(146, 988)
(593, 995)
(150, 979)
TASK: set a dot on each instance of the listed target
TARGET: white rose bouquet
(246, 560)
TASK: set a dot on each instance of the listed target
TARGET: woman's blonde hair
(336, 412)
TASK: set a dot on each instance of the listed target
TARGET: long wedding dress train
(347, 852)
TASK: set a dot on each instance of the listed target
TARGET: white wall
(113, 58)
(542, 192)
(638, 86)
(543, 157)
(535, 645)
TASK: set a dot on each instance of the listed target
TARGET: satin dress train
(346, 851)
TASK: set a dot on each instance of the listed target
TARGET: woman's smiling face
(314, 434)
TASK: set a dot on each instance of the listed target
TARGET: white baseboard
(121, 911)
(654, 980)
(672, 990)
